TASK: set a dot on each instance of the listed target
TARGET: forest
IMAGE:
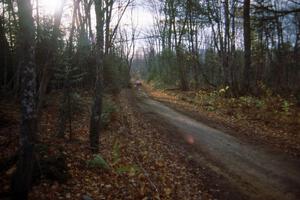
(158, 99)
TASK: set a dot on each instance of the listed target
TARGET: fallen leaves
(143, 163)
(270, 120)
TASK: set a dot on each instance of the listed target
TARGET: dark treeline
(43, 53)
(61, 49)
(240, 44)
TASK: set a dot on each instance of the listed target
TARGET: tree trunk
(247, 46)
(182, 71)
(226, 45)
(4, 54)
(97, 105)
(109, 8)
(23, 177)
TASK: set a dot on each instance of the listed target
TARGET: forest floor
(142, 156)
(142, 159)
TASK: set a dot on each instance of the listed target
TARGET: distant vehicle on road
(138, 83)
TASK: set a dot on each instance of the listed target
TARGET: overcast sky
(139, 14)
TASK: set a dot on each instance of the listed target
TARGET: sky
(138, 15)
(142, 20)
(142, 17)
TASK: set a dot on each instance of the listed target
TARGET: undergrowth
(115, 165)
(268, 107)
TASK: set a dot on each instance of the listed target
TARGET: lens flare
(190, 139)
(50, 5)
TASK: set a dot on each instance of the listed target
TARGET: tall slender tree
(23, 177)
(247, 46)
(97, 104)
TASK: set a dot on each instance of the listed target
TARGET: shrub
(98, 162)
(260, 103)
(286, 106)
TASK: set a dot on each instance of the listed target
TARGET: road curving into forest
(254, 171)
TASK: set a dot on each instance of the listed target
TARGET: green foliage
(162, 68)
(246, 101)
(98, 162)
(117, 72)
(286, 106)
(253, 102)
(211, 99)
(67, 75)
(210, 108)
(260, 104)
(216, 99)
(212, 66)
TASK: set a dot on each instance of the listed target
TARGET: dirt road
(255, 172)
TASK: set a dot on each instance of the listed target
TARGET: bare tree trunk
(226, 45)
(182, 71)
(38, 27)
(109, 7)
(178, 34)
(97, 105)
(233, 68)
(4, 54)
(22, 179)
(87, 8)
(193, 33)
(247, 46)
